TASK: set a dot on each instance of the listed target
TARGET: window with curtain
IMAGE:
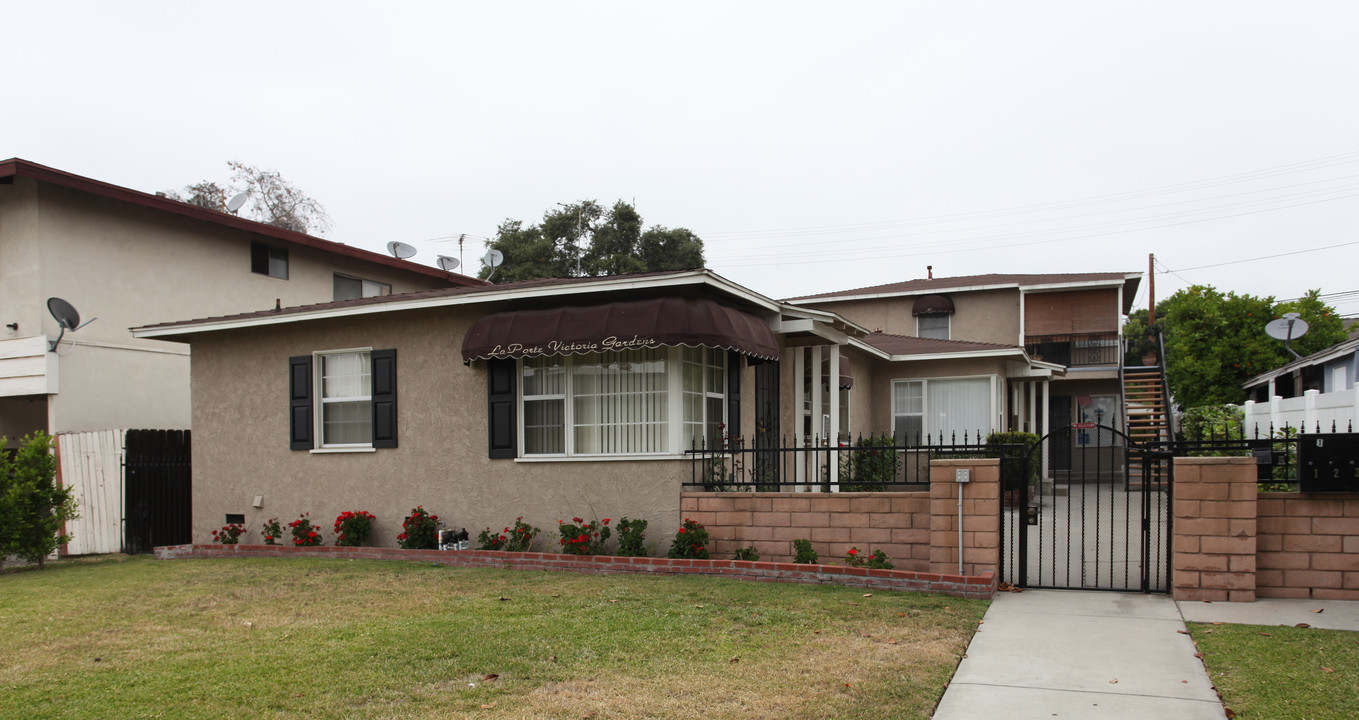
(934, 326)
(950, 408)
(346, 416)
(619, 403)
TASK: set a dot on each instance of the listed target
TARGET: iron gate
(157, 486)
(1103, 522)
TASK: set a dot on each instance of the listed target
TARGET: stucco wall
(985, 316)
(883, 373)
(240, 448)
(128, 266)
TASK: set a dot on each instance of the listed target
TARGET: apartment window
(932, 326)
(350, 288)
(343, 400)
(632, 402)
(951, 409)
(267, 260)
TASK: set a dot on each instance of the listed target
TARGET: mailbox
(1328, 463)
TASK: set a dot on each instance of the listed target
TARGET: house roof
(555, 288)
(1321, 356)
(994, 281)
(909, 345)
(16, 167)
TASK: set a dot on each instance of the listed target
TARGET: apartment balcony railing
(1077, 349)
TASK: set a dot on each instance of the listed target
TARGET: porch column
(833, 382)
(1043, 418)
(1016, 407)
(1032, 389)
(815, 360)
(799, 402)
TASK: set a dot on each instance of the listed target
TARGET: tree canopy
(1215, 342)
(271, 199)
(585, 240)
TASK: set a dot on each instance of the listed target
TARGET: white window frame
(676, 426)
(948, 325)
(318, 392)
(927, 427)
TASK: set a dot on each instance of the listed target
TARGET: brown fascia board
(23, 168)
(971, 283)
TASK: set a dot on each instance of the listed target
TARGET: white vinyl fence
(91, 463)
(1339, 409)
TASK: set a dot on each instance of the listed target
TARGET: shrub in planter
(419, 531)
(516, 539)
(876, 560)
(581, 538)
(353, 527)
(747, 553)
(691, 541)
(631, 542)
(488, 540)
(273, 530)
(304, 534)
(803, 553)
(1012, 466)
(230, 534)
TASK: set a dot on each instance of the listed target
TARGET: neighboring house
(955, 365)
(130, 258)
(556, 398)
(1317, 391)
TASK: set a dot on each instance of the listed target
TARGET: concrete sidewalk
(1069, 654)
(1333, 615)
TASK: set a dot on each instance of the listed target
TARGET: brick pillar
(981, 516)
(1213, 555)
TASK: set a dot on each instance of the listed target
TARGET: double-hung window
(343, 400)
(632, 402)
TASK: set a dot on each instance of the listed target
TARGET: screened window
(932, 326)
(346, 393)
(620, 403)
(950, 409)
(350, 288)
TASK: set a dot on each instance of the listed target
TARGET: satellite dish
(236, 202)
(66, 316)
(1287, 328)
(493, 258)
(400, 250)
(448, 264)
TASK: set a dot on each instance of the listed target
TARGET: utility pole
(1151, 289)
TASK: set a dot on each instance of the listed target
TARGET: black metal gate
(1103, 522)
(157, 489)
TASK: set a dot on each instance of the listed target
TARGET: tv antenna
(448, 264)
(492, 259)
(66, 316)
(1287, 328)
(234, 204)
(400, 250)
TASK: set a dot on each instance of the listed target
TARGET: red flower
(606, 521)
(853, 551)
(681, 530)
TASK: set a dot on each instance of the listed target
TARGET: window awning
(932, 305)
(618, 326)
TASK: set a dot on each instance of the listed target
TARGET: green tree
(582, 239)
(33, 510)
(1215, 342)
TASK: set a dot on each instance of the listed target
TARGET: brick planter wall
(896, 523)
(980, 587)
(1308, 546)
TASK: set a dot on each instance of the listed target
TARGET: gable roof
(16, 167)
(994, 281)
(1319, 357)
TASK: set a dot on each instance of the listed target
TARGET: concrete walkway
(1070, 654)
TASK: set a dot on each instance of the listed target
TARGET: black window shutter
(500, 422)
(384, 398)
(299, 402)
(733, 393)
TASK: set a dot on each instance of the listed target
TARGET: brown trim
(17, 167)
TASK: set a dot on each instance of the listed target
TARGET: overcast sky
(813, 146)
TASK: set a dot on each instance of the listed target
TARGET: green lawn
(264, 638)
(1279, 673)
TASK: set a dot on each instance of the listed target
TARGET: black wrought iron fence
(1275, 450)
(868, 463)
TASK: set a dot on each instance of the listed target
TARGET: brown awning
(846, 375)
(618, 326)
(932, 305)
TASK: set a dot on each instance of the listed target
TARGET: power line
(1267, 257)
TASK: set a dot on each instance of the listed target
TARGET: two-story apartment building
(123, 258)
